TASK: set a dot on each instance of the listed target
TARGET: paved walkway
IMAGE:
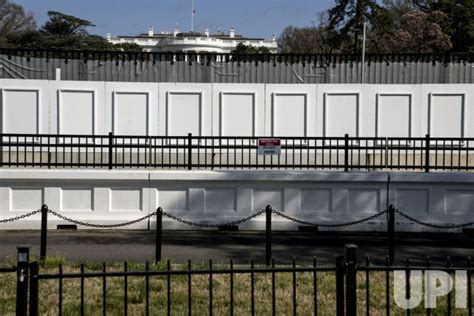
(201, 246)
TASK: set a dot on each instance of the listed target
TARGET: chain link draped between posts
(299, 221)
(101, 225)
(240, 221)
(437, 226)
(16, 218)
(204, 225)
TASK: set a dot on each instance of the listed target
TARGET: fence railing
(350, 286)
(214, 152)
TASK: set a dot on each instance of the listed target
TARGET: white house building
(192, 41)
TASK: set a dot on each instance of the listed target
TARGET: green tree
(66, 32)
(249, 49)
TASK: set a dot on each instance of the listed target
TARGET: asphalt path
(200, 246)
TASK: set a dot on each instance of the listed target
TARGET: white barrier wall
(85, 107)
(107, 197)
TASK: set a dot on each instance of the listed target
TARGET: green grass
(200, 292)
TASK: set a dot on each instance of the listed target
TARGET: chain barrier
(203, 225)
(16, 218)
(100, 225)
(448, 226)
(240, 221)
(299, 221)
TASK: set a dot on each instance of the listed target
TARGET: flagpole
(192, 15)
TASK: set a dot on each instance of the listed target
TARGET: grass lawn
(326, 300)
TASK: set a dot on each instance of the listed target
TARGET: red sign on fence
(269, 146)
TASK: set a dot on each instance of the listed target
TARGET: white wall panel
(77, 199)
(20, 111)
(290, 110)
(238, 114)
(316, 201)
(183, 113)
(76, 112)
(174, 200)
(446, 115)
(289, 114)
(394, 115)
(130, 113)
(104, 196)
(84, 107)
(341, 114)
(26, 199)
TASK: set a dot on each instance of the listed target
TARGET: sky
(256, 18)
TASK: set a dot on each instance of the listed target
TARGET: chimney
(273, 37)
(206, 31)
(151, 31)
(232, 32)
(108, 36)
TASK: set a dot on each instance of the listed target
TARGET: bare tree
(13, 19)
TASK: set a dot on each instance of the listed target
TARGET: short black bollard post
(159, 234)
(351, 280)
(340, 270)
(111, 154)
(44, 231)
(190, 151)
(346, 152)
(23, 258)
(391, 233)
(268, 235)
(34, 286)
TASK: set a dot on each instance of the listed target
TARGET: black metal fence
(355, 287)
(214, 152)
(228, 68)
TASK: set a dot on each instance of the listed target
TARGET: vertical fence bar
(44, 231)
(346, 152)
(159, 234)
(125, 289)
(273, 288)
(23, 258)
(268, 234)
(427, 153)
(147, 289)
(34, 286)
(252, 288)
(391, 233)
(82, 290)
(340, 285)
(231, 276)
(168, 288)
(351, 280)
(190, 152)
(210, 288)
(110, 149)
(104, 290)
(190, 292)
(294, 287)
(60, 290)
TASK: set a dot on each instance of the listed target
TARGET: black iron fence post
(159, 234)
(44, 231)
(111, 140)
(391, 233)
(190, 151)
(34, 286)
(340, 269)
(23, 258)
(351, 280)
(346, 152)
(268, 235)
(427, 153)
